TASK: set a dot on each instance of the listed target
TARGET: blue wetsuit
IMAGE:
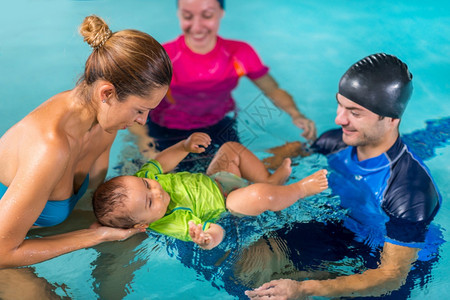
(391, 197)
(56, 212)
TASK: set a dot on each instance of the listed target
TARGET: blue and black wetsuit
(390, 198)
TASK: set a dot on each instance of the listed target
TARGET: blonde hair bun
(95, 31)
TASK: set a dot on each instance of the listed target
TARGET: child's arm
(196, 143)
(206, 239)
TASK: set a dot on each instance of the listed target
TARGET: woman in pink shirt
(206, 69)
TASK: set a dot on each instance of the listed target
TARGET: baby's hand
(198, 236)
(197, 142)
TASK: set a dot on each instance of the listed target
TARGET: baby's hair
(107, 203)
(131, 60)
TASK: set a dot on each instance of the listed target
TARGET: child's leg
(260, 197)
(235, 158)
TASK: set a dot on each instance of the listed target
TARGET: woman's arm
(39, 170)
(196, 143)
(284, 100)
(36, 250)
(396, 262)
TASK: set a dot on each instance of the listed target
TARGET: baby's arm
(206, 239)
(196, 143)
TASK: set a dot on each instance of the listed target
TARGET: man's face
(360, 127)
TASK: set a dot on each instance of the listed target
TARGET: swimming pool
(308, 45)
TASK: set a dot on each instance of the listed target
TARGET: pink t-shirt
(200, 91)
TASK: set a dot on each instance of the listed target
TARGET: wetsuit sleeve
(176, 224)
(329, 142)
(150, 169)
(411, 201)
(406, 233)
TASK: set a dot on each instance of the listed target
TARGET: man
(390, 196)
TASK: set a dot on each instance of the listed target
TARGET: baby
(185, 205)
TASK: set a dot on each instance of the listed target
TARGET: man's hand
(278, 289)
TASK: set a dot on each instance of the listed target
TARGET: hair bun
(95, 31)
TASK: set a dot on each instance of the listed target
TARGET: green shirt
(193, 197)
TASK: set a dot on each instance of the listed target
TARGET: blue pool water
(307, 44)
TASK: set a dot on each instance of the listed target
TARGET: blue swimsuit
(56, 212)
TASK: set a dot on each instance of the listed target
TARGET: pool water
(308, 45)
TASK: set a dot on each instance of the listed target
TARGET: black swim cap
(379, 82)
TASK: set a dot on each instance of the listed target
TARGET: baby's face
(148, 200)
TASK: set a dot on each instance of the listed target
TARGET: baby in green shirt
(185, 205)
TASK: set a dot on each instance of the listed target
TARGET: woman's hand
(197, 142)
(110, 234)
(309, 129)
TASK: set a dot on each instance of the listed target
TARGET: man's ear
(141, 225)
(395, 122)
